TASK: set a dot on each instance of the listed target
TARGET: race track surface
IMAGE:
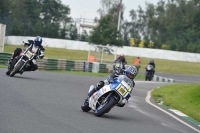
(46, 102)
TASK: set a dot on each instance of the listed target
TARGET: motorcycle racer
(130, 72)
(121, 59)
(153, 64)
(37, 43)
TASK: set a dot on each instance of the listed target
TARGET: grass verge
(3, 66)
(183, 97)
(165, 66)
(139, 76)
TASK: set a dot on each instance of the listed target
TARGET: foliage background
(171, 24)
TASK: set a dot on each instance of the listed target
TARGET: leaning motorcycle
(114, 94)
(23, 60)
(118, 66)
(149, 73)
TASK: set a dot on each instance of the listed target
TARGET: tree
(172, 24)
(84, 36)
(53, 18)
(134, 26)
(4, 8)
(106, 33)
(132, 42)
(46, 18)
(73, 32)
(111, 7)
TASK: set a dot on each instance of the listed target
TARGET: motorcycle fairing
(94, 98)
(119, 86)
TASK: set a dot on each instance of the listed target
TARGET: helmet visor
(37, 43)
(131, 76)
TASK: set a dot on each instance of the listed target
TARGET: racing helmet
(131, 72)
(151, 61)
(121, 56)
(38, 41)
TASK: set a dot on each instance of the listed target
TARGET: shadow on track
(22, 77)
(108, 116)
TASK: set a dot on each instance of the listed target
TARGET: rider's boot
(28, 68)
(91, 93)
(8, 72)
(121, 104)
(21, 72)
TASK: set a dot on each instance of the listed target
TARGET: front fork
(23, 65)
(21, 59)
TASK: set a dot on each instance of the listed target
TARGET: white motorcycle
(116, 93)
(23, 59)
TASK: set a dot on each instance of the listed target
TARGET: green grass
(183, 97)
(3, 66)
(138, 77)
(165, 66)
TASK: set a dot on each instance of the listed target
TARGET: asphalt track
(46, 102)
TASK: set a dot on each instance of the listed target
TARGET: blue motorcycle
(114, 94)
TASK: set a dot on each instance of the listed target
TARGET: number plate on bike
(121, 90)
(117, 65)
(29, 54)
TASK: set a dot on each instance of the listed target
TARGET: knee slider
(100, 84)
(35, 67)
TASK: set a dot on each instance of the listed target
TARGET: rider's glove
(110, 80)
(41, 56)
(30, 41)
(26, 43)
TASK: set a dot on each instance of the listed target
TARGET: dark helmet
(151, 61)
(38, 41)
(131, 72)
(121, 56)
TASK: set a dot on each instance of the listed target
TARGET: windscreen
(127, 80)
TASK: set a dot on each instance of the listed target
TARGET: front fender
(103, 92)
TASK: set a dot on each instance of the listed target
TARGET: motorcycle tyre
(16, 69)
(146, 76)
(151, 76)
(85, 107)
(106, 108)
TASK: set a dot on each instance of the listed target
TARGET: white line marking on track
(178, 112)
(148, 101)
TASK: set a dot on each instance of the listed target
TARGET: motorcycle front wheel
(146, 76)
(105, 107)
(16, 69)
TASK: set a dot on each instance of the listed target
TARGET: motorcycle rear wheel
(16, 69)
